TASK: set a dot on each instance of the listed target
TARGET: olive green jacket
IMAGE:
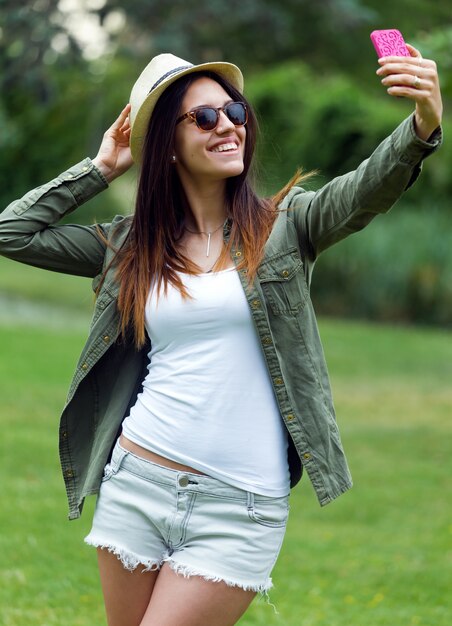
(110, 371)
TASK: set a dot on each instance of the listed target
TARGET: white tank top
(207, 400)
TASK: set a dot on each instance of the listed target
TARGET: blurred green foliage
(310, 73)
(398, 269)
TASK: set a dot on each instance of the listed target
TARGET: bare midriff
(153, 457)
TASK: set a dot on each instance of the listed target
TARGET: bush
(398, 269)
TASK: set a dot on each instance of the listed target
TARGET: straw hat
(159, 74)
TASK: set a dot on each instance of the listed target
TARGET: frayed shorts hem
(131, 562)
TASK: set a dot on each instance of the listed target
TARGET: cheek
(242, 135)
(187, 153)
(186, 148)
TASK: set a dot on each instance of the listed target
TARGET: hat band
(173, 71)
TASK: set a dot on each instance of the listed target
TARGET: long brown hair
(151, 251)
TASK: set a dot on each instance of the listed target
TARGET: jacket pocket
(283, 283)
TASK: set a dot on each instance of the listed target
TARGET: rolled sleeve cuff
(411, 148)
(84, 180)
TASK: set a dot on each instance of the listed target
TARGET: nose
(224, 123)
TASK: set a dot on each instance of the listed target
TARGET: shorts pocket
(272, 512)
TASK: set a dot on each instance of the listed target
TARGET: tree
(41, 71)
(252, 33)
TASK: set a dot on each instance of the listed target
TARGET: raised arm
(350, 202)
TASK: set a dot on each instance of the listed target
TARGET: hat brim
(140, 120)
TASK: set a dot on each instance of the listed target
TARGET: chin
(234, 169)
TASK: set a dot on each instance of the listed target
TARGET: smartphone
(389, 43)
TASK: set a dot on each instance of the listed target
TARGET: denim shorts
(147, 514)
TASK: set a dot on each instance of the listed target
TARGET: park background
(381, 554)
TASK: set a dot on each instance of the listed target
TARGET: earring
(173, 158)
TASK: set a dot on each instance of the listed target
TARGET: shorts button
(183, 481)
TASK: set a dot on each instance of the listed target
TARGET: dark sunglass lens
(236, 112)
(206, 118)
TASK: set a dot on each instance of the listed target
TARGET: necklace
(209, 234)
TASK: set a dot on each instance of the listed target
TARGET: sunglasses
(207, 118)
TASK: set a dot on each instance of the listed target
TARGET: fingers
(415, 78)
(404, 75)
(414, 52)
(409, 80)
(122, 120)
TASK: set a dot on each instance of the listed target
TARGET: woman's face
(198, 153)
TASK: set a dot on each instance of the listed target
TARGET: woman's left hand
(415, 78)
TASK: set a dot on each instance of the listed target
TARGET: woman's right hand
(114, 156)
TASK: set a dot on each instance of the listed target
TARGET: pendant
(208, 244)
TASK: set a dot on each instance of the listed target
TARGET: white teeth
(225, 146)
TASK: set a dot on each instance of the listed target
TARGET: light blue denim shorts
(147, 514)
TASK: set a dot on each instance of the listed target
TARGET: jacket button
(267, 341)
(285, 273)
(64, 434)
(107, 338)
(69, 473)
(279, 381)
(307, 456)
(290, 417)
(256, 304)
(238, 253)
(85, 366)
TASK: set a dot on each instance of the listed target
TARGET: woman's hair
(151, 252)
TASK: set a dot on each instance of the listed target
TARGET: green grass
(380, 555)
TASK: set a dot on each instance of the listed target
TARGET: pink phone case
(389, 43)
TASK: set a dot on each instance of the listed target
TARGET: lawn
(380, 555)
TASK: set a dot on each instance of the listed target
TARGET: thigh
(126, 594)
(194, 601)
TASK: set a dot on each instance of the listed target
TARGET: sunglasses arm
(182, 117)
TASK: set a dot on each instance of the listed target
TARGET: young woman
(202, 391)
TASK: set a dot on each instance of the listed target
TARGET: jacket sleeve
(349, 202)
(28, 232)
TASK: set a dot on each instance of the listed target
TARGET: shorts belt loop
(249, 500)
(119, 454)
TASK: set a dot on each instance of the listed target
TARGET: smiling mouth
(225, 147)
